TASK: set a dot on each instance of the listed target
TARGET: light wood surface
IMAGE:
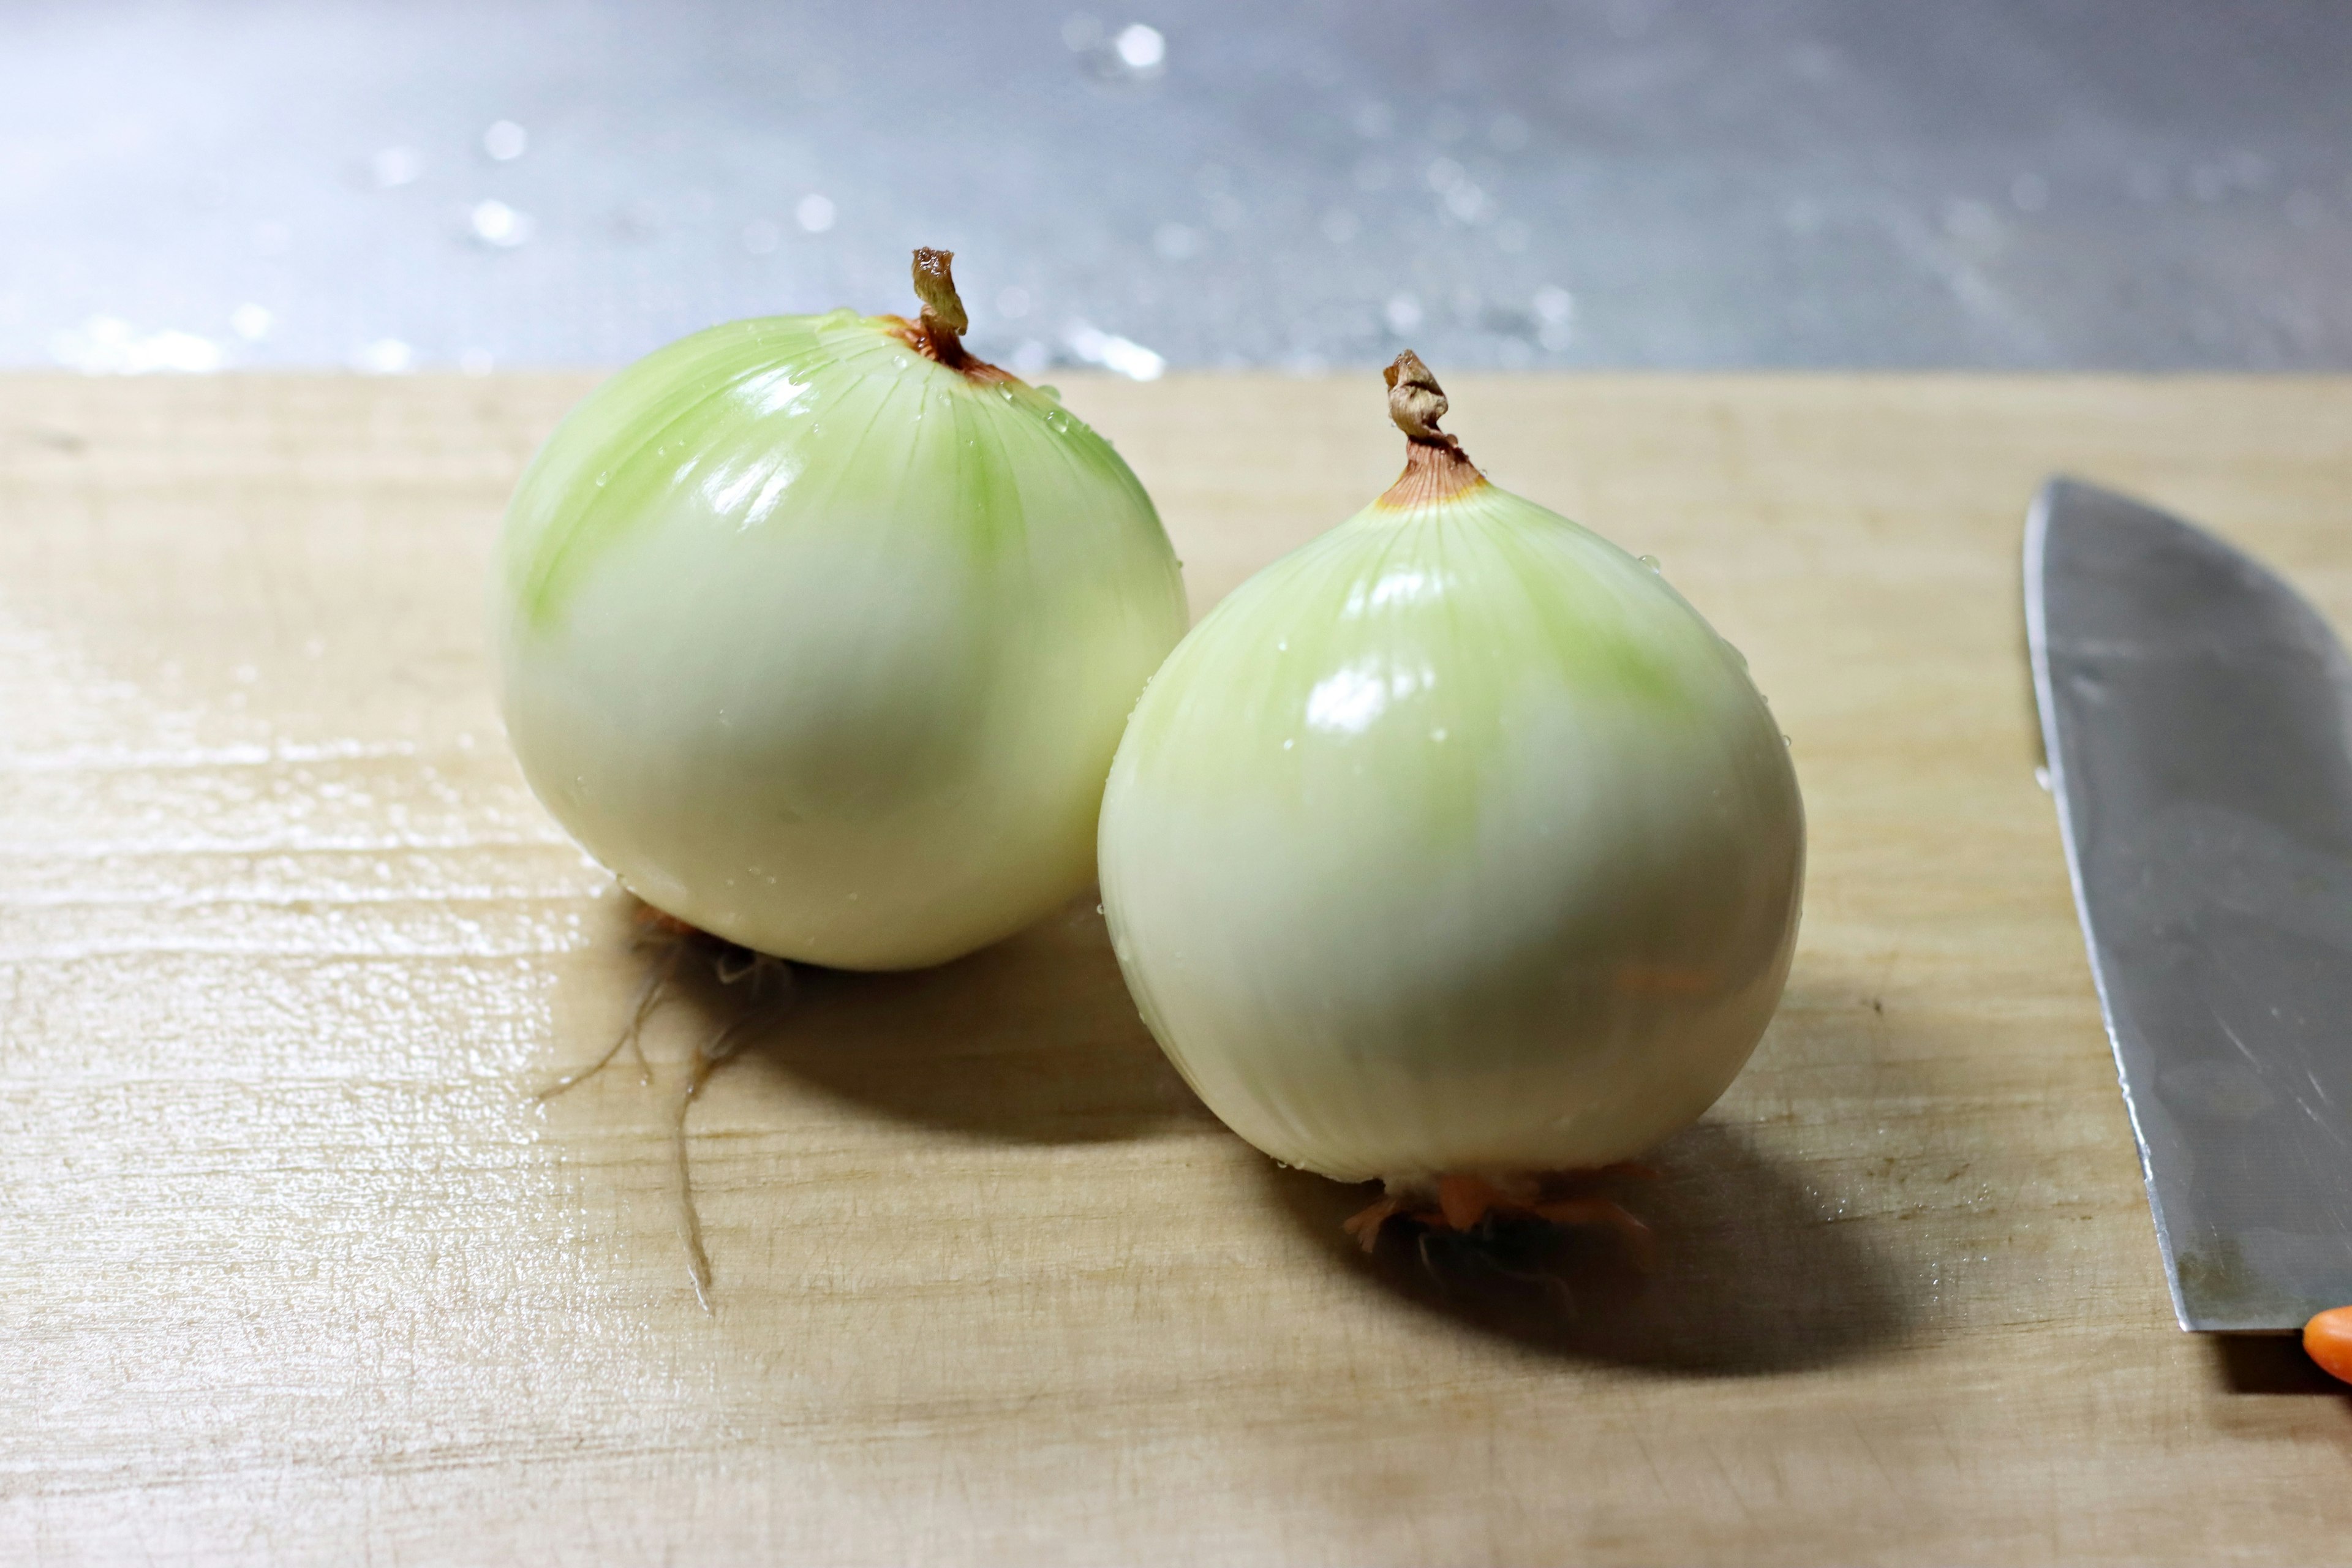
(298, 1270)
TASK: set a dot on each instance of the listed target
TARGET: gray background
(1671, 182)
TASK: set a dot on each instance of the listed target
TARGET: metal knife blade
(2198, 717)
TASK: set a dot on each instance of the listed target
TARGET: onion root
(770, 979)
(1465, 1203)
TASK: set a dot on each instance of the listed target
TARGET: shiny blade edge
(2053, 762)
(2197, 719)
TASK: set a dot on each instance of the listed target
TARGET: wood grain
(299, 1270)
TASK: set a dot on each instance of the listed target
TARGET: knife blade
(2197, 714)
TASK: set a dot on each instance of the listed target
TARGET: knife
(2197, 714)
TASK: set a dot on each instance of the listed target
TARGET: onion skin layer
(1455, 841)
(824, 646)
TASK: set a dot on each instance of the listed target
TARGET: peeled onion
(1454, 842)
(819, 633)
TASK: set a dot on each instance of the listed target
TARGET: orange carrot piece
(2327, 1338)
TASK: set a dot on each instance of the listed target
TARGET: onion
(819, 633)
(1454, 846)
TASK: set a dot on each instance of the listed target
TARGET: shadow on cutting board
(1748, 1278)
(1033, 1040)
(2269, 1363)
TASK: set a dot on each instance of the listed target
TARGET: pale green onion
(1455, 844)
(819, 633)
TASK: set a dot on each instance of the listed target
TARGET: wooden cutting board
(299, 1269)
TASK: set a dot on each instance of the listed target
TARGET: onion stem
(940, 328)
(1436, 469)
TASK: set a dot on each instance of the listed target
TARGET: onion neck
(1436, 469)
(1432, 474)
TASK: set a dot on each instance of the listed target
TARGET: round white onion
(820, 634)
(1454, 842)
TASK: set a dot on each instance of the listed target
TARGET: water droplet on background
(505, 140)
(499, 226)
(384, 357)
(394, 167)
(1142, 49)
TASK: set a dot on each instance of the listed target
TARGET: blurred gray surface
(1713, 183)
